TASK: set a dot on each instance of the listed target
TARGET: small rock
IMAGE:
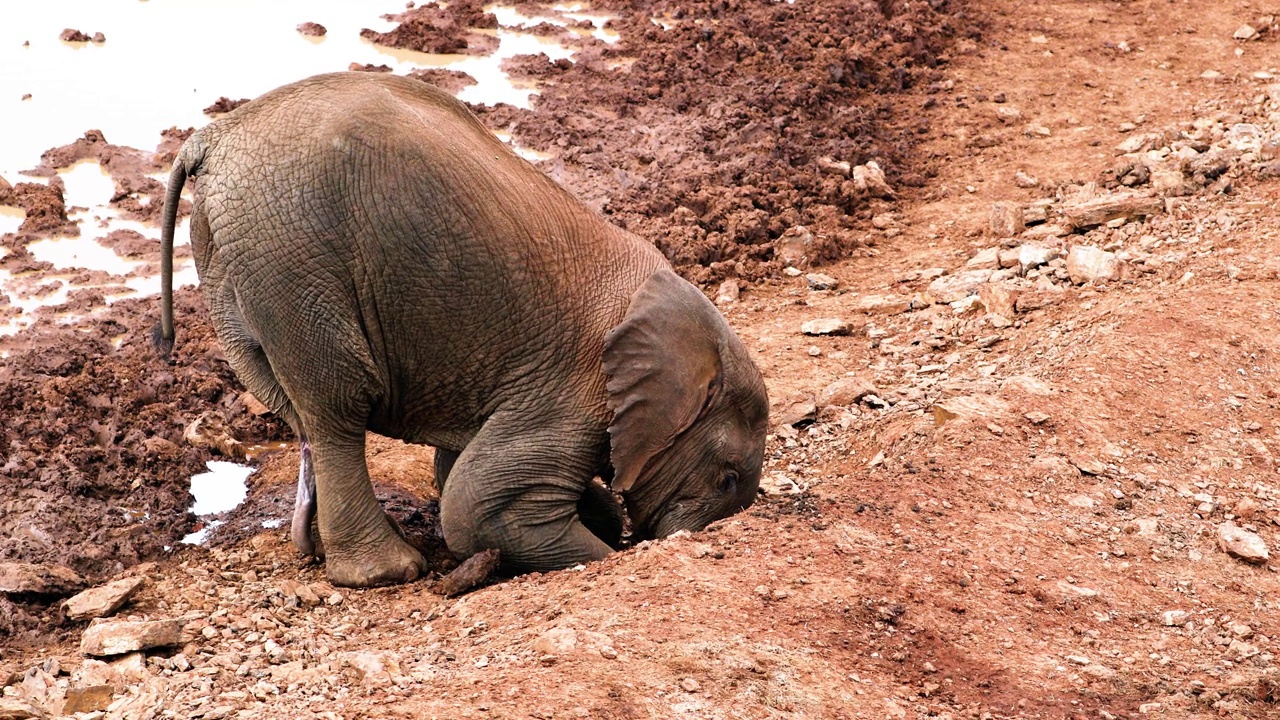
(953, 288)
(883, 304)
(1099, 671)
(88, 699)
(1246, 508)
(819, 281)
(1086, 212)
(1245, 32)
(473, 571)
(1242, 544)
(986, 259)
(1006, 220)
(1240, 630)
(1242, 650)
(102, 600)
(1035, 417)
(796, 409)
(1033, 256)
(608, 653)
(376, 669)
(1089, 466)
(312, 29)
(116, 637)
(276, 655)
(1076, 590)
(1172, 618)
(826, 326)
(16, 709)
(999, 301)
(835, 167)
(307, 596)
(846, 392)
(30, 578)
(1024, 180)
(689, 685)
(870, 179)
(1081, 501)
(556, 641)
(794, 247)
(1090, 264)
(728, 292)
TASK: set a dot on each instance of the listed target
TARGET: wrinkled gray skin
(374, 259)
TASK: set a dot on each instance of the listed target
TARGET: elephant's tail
(162, 335)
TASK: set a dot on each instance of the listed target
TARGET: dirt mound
(714, 127)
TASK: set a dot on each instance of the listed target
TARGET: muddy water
(191, 53)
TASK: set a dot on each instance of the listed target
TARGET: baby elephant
(375, 259)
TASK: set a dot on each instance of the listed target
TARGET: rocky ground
(1023, 456)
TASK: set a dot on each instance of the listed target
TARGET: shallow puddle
(158, 66)
(220, 490)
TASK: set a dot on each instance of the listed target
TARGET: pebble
(1086, 264)
(690, 685)
(728, 292)
(819, 281)
(826, 326)
(1242, 544)
(1173, 618)
(1006, 220)
(846, 391)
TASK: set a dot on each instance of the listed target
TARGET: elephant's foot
(391, 562)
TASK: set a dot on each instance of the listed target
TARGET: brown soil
(1000, 530)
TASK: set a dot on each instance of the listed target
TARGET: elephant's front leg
(516, 488)
(361, 546)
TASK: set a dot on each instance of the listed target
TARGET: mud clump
(443, 31)
(312, 29)
(451, 81)
(223, 105)
(95, 475)
(705, 134)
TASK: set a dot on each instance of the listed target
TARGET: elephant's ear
(663, 368)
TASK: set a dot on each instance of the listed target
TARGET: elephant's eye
(729, 481)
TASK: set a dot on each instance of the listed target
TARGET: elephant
(374, 259)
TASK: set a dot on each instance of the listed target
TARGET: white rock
(20, 577)
(1172, 618)
(728, 292)
(1090, 264)
(951, 288)
(1006, 219)
(1033, 256)
(826, 326)
(556, 641)
(883, 304)
(1242, 544)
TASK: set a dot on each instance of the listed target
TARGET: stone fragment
(87, 699)
(556, 641)
(30, 578)
(883, 304)
(819, 281)
(308, 596)
(1006, 220)
(826, 326)
(1099, 670)
(1241, 630)
(1245, 32)
(846, 391)
(870, 179)
(1023, 180)
(1099, 210)
(253, 404)
(103, 600)
(1242, 544)
(1246, 508)
(376, 669)
(796, 409)
(986, 259)
(1008, 258)
(794, 247)
(12, 708)
(116, 637)
(1046, 231)
(952, 288)
(473, 571)
(689, 685)
(1076, 590)
(728, 292)
(835, 167)
(999, 301)
(1089, 466)
(1032, 256)
(1086, 264)
(1172, 618)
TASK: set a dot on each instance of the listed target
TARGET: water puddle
(144, 78)
(220, 490)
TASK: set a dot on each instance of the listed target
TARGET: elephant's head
(689, 410)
